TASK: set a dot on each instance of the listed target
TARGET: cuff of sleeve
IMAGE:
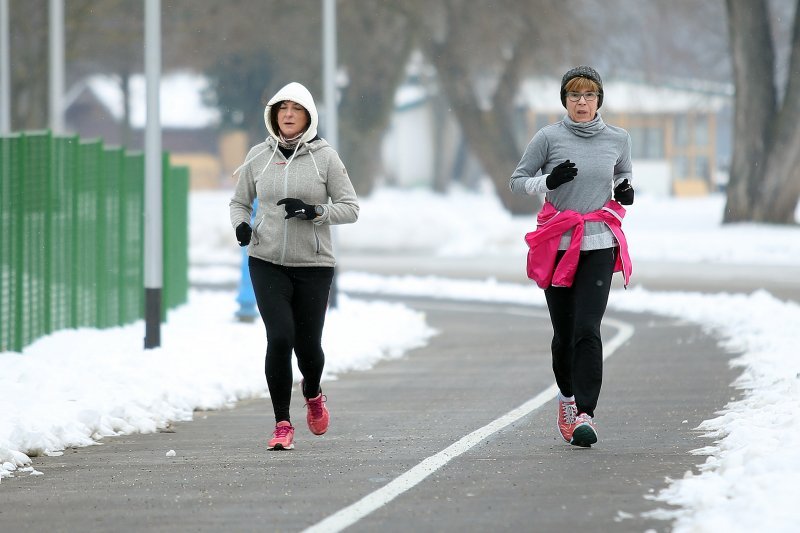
(321, 219)
(530, 186)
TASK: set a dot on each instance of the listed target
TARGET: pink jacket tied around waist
(551, 224)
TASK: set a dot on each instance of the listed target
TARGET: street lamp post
(329, 72)
(153, 223)
(329, 81)
(5, 71)
(57, 66)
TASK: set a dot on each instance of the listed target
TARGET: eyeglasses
(589, 97)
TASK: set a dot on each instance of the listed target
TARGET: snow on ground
(108, 385)
(418, 221)
(75, 387)
(658, 229)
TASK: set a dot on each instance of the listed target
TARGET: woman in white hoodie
(302, 188)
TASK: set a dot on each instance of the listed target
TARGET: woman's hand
(298, 208)
(561, 174)
(243, 233)
(623, 193)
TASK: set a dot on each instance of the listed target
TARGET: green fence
(72, 236)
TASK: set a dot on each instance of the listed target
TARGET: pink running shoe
(283, 437)
(567, 412)
(317, 415)
(585, 433)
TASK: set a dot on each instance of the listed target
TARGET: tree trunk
(766, 148)
(367, 102)
(125, 125)
(360, 151)
(489, 133)
(781, 185)
(778, 202)
(29, 64)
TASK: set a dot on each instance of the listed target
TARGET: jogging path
(418, 443)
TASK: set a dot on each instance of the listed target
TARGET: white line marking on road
(377, 499)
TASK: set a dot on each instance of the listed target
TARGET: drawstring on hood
(247, 161)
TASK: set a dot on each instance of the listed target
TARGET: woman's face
(579, 107)
(292, 118)
(581, 111)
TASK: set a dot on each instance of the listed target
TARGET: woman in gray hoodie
(302, 188)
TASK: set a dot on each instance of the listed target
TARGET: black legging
(292, 302)
(576, 313)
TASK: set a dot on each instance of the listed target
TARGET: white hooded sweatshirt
(314, 173)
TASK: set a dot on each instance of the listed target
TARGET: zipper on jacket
(316, 239)
(286, 220)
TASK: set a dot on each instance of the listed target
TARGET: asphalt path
(411, 419)
(456, 436)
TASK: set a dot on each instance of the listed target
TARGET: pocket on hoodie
(256, 238)
(303, 242)
(317, 243)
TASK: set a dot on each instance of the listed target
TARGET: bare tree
(481, 52)
(252, 47)
(655, 40)
(375, 42)
(30, 60)
(248, 49)
(106, 37)
(765, 177)
(28, 43)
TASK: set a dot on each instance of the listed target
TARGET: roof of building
(542, 95)
(181, 103)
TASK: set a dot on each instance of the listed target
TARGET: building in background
(681, 135)
(190, 129)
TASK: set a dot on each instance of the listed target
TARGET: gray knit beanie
(582, 72)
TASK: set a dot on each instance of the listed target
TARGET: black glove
(298, 208)
(243, 233)
(561, 173)
(623, 193)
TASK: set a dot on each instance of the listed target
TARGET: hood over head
(296, 92)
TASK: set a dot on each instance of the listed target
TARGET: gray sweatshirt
(602, 155)
(314, 174)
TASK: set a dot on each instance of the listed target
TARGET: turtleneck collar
(585, 129)
(288, 149)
